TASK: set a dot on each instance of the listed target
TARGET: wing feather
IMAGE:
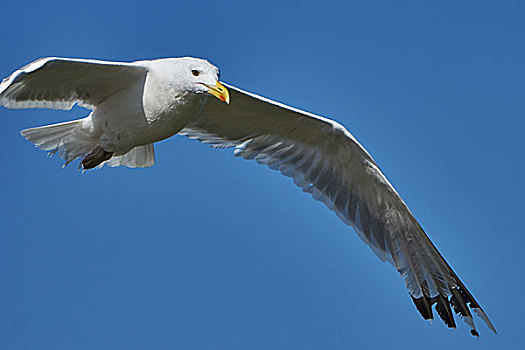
(59, 83)
(324, 159)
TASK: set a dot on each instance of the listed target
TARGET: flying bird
(133, 105)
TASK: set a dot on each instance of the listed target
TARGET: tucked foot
(95, 158)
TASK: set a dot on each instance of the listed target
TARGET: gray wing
(324, 159)
(59, 83)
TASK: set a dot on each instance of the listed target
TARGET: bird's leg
(95, 157)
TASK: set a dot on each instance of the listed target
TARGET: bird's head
(202, 77)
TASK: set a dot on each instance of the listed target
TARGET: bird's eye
(195, 72)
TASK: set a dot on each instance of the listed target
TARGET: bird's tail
(67, 139)
(70, 141)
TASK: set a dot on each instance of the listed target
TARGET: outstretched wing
(324, 159)
(59, 83)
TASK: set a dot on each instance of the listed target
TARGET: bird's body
(145, 102)
(139, 103)
(131, 117)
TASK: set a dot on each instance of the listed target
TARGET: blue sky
(205, 251)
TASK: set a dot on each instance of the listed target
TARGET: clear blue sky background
(205, 251)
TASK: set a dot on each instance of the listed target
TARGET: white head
(194, 74)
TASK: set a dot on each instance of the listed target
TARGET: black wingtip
(424, 306)
(444, 311)
(458, 302)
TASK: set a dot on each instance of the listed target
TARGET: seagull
(135, 104)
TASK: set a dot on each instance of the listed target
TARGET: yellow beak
(219, 91)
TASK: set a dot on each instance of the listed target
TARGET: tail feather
(48, 137)
(70, 142)
(62, 138)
